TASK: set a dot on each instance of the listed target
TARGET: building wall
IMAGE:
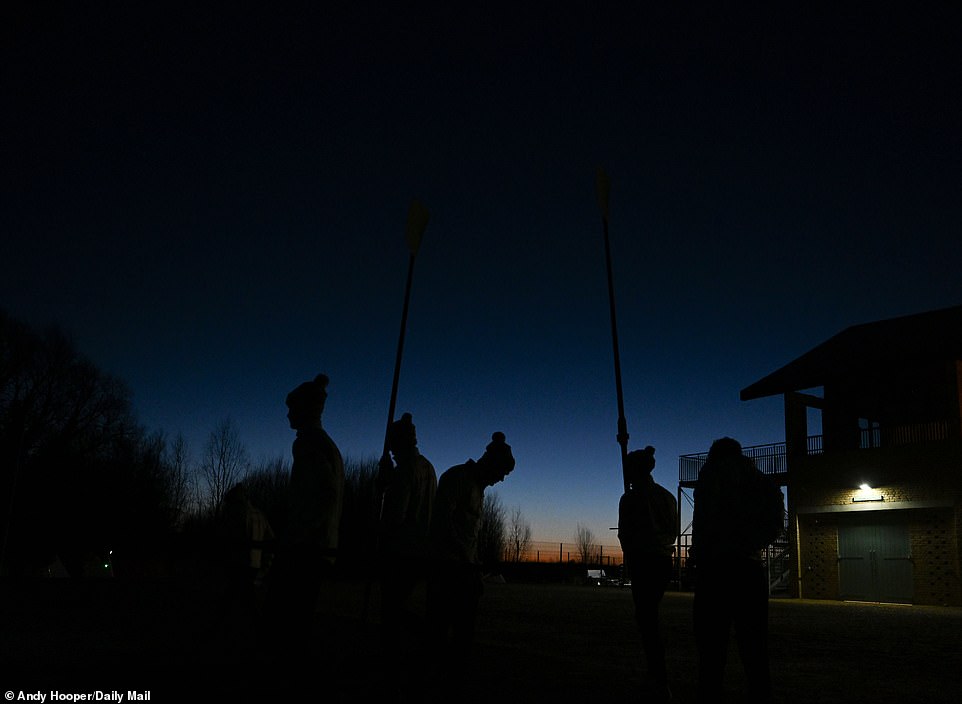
(928, 506)
(934, 548)
(818, 551)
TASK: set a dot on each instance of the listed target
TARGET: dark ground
(550, 643)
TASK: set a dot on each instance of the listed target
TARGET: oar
(603, 187)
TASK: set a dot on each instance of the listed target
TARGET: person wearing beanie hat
(405, 525)
(246, 541)
(455, 584)
(307, 400)
(497, 460)
(307, 544)
(647, 530)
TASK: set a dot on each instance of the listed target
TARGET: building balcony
(770, 459)
(773, 458)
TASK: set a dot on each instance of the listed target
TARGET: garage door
(875, 562)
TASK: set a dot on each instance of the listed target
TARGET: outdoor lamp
(867, 493)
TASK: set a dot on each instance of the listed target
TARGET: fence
(600, 555)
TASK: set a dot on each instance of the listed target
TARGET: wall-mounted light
(867, 493)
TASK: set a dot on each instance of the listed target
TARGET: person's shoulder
(317, 443)
(454, 471)
(770, 486)
(708, 470)
(707, 475)
(665, 491)
(327, 437)
(757, 475)
(312, 435)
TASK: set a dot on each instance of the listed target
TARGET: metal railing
(770, 459)
(896, 435)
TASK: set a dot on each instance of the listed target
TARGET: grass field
(535, 643)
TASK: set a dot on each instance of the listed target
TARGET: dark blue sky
(213, 204)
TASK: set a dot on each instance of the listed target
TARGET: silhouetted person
(738, 511)
(405, 526)
(455, 585)
(647, 529)
(307, 546)
(246, 546)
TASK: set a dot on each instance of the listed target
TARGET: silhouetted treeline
(83, 483)
(78, 475)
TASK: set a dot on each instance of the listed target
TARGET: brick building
(874, 500)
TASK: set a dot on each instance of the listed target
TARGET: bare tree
(584, 540)
(225, 462)
(158, 480)
(492, 537)
(519, 535)
(179, 489)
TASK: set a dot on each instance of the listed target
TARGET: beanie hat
(499, 451)
(401, 432)
(642, 460)
(310, 394)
